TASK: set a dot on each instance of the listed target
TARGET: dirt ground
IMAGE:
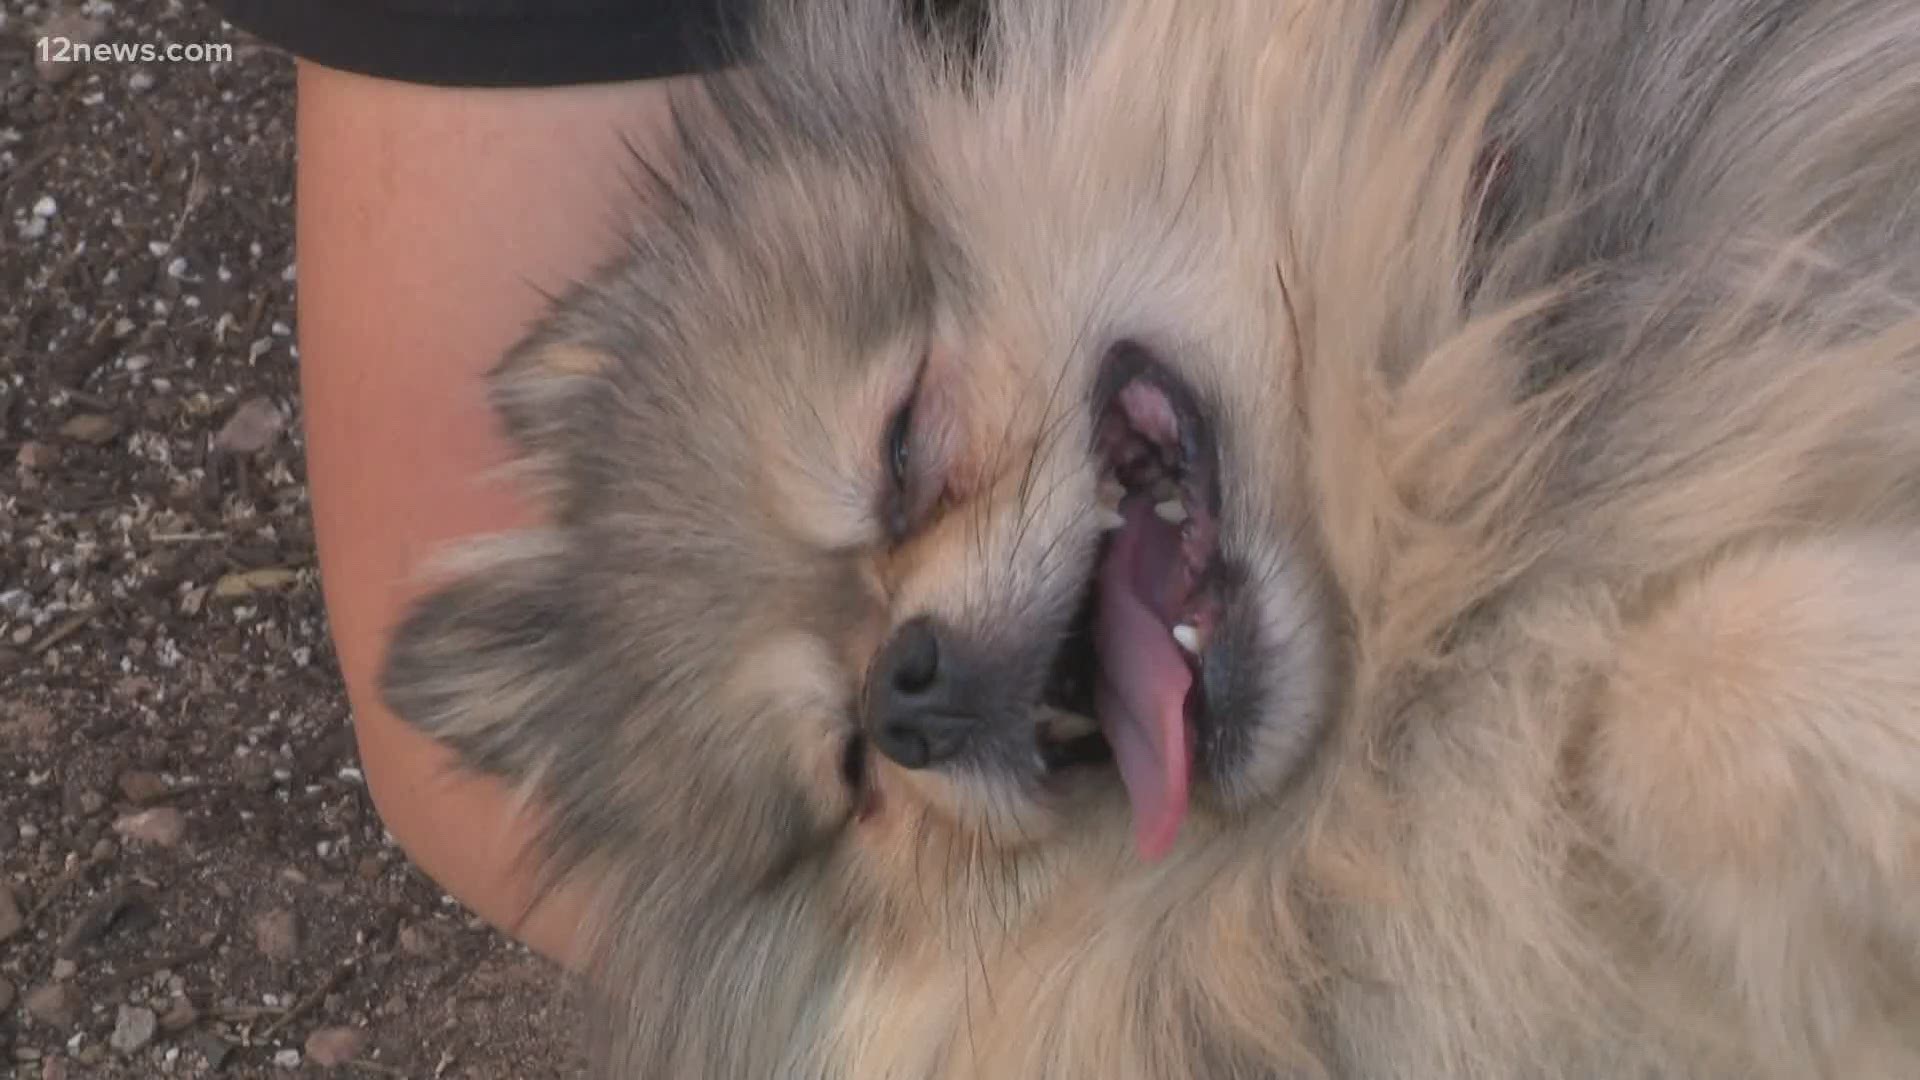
(192, 878)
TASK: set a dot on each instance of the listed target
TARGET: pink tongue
(1142, 696)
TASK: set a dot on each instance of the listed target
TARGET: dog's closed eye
(899, 458)
(853, 772)
(912, 481)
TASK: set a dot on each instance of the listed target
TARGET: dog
(1217, 538)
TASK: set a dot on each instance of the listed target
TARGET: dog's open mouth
(1125, 684)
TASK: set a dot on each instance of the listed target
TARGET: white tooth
(1063, 726)
(1108, 520)
(1188, 638)
(1172, 511)
(1110, 493)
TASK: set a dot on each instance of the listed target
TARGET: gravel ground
(192, 878)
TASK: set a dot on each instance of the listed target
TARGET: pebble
(255, 773)
(133, 1028)
(334, 1046)
(162, 825)
(277, 934)
(73, 27)
(214, 1048)
(140, 786)
(45, 207)
(140, 81)
(36, 455)
(115, 909)
(417, 940)
(180, 1016)
(252, 428)
(248, 582)
(11, 921)
(64, 969)
(287, 1059)
(94, 429)
(55, 1005)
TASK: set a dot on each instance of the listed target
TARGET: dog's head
(876, 513)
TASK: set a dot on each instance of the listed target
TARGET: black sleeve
(500, 43)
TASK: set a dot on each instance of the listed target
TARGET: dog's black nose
(919, 707)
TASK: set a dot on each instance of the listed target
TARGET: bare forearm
(429, 223)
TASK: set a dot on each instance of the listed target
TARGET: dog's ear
(482, 662)
(544, 391)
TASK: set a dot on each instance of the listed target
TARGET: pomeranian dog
(1236, 539)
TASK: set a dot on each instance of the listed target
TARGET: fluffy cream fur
(1566, 359)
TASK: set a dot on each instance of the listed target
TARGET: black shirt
(501, 42)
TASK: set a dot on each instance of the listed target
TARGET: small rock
(214, 1048)
(94, 429)
(287, 1059)
(141, 787)
(6, 995)
(277, 934)
(370, 867)
(180, 1016)
(335, 1046)
(252, 428)
(36, 455)
(417, 940)
(248, 582)
(61, 30)
(90, 801)
(254, 773)
(162, 825)
(123, 909)
(140, 81)
(64, 969)
(45, 207)
(133, 1028)
(11, 921)
(55, 1005)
